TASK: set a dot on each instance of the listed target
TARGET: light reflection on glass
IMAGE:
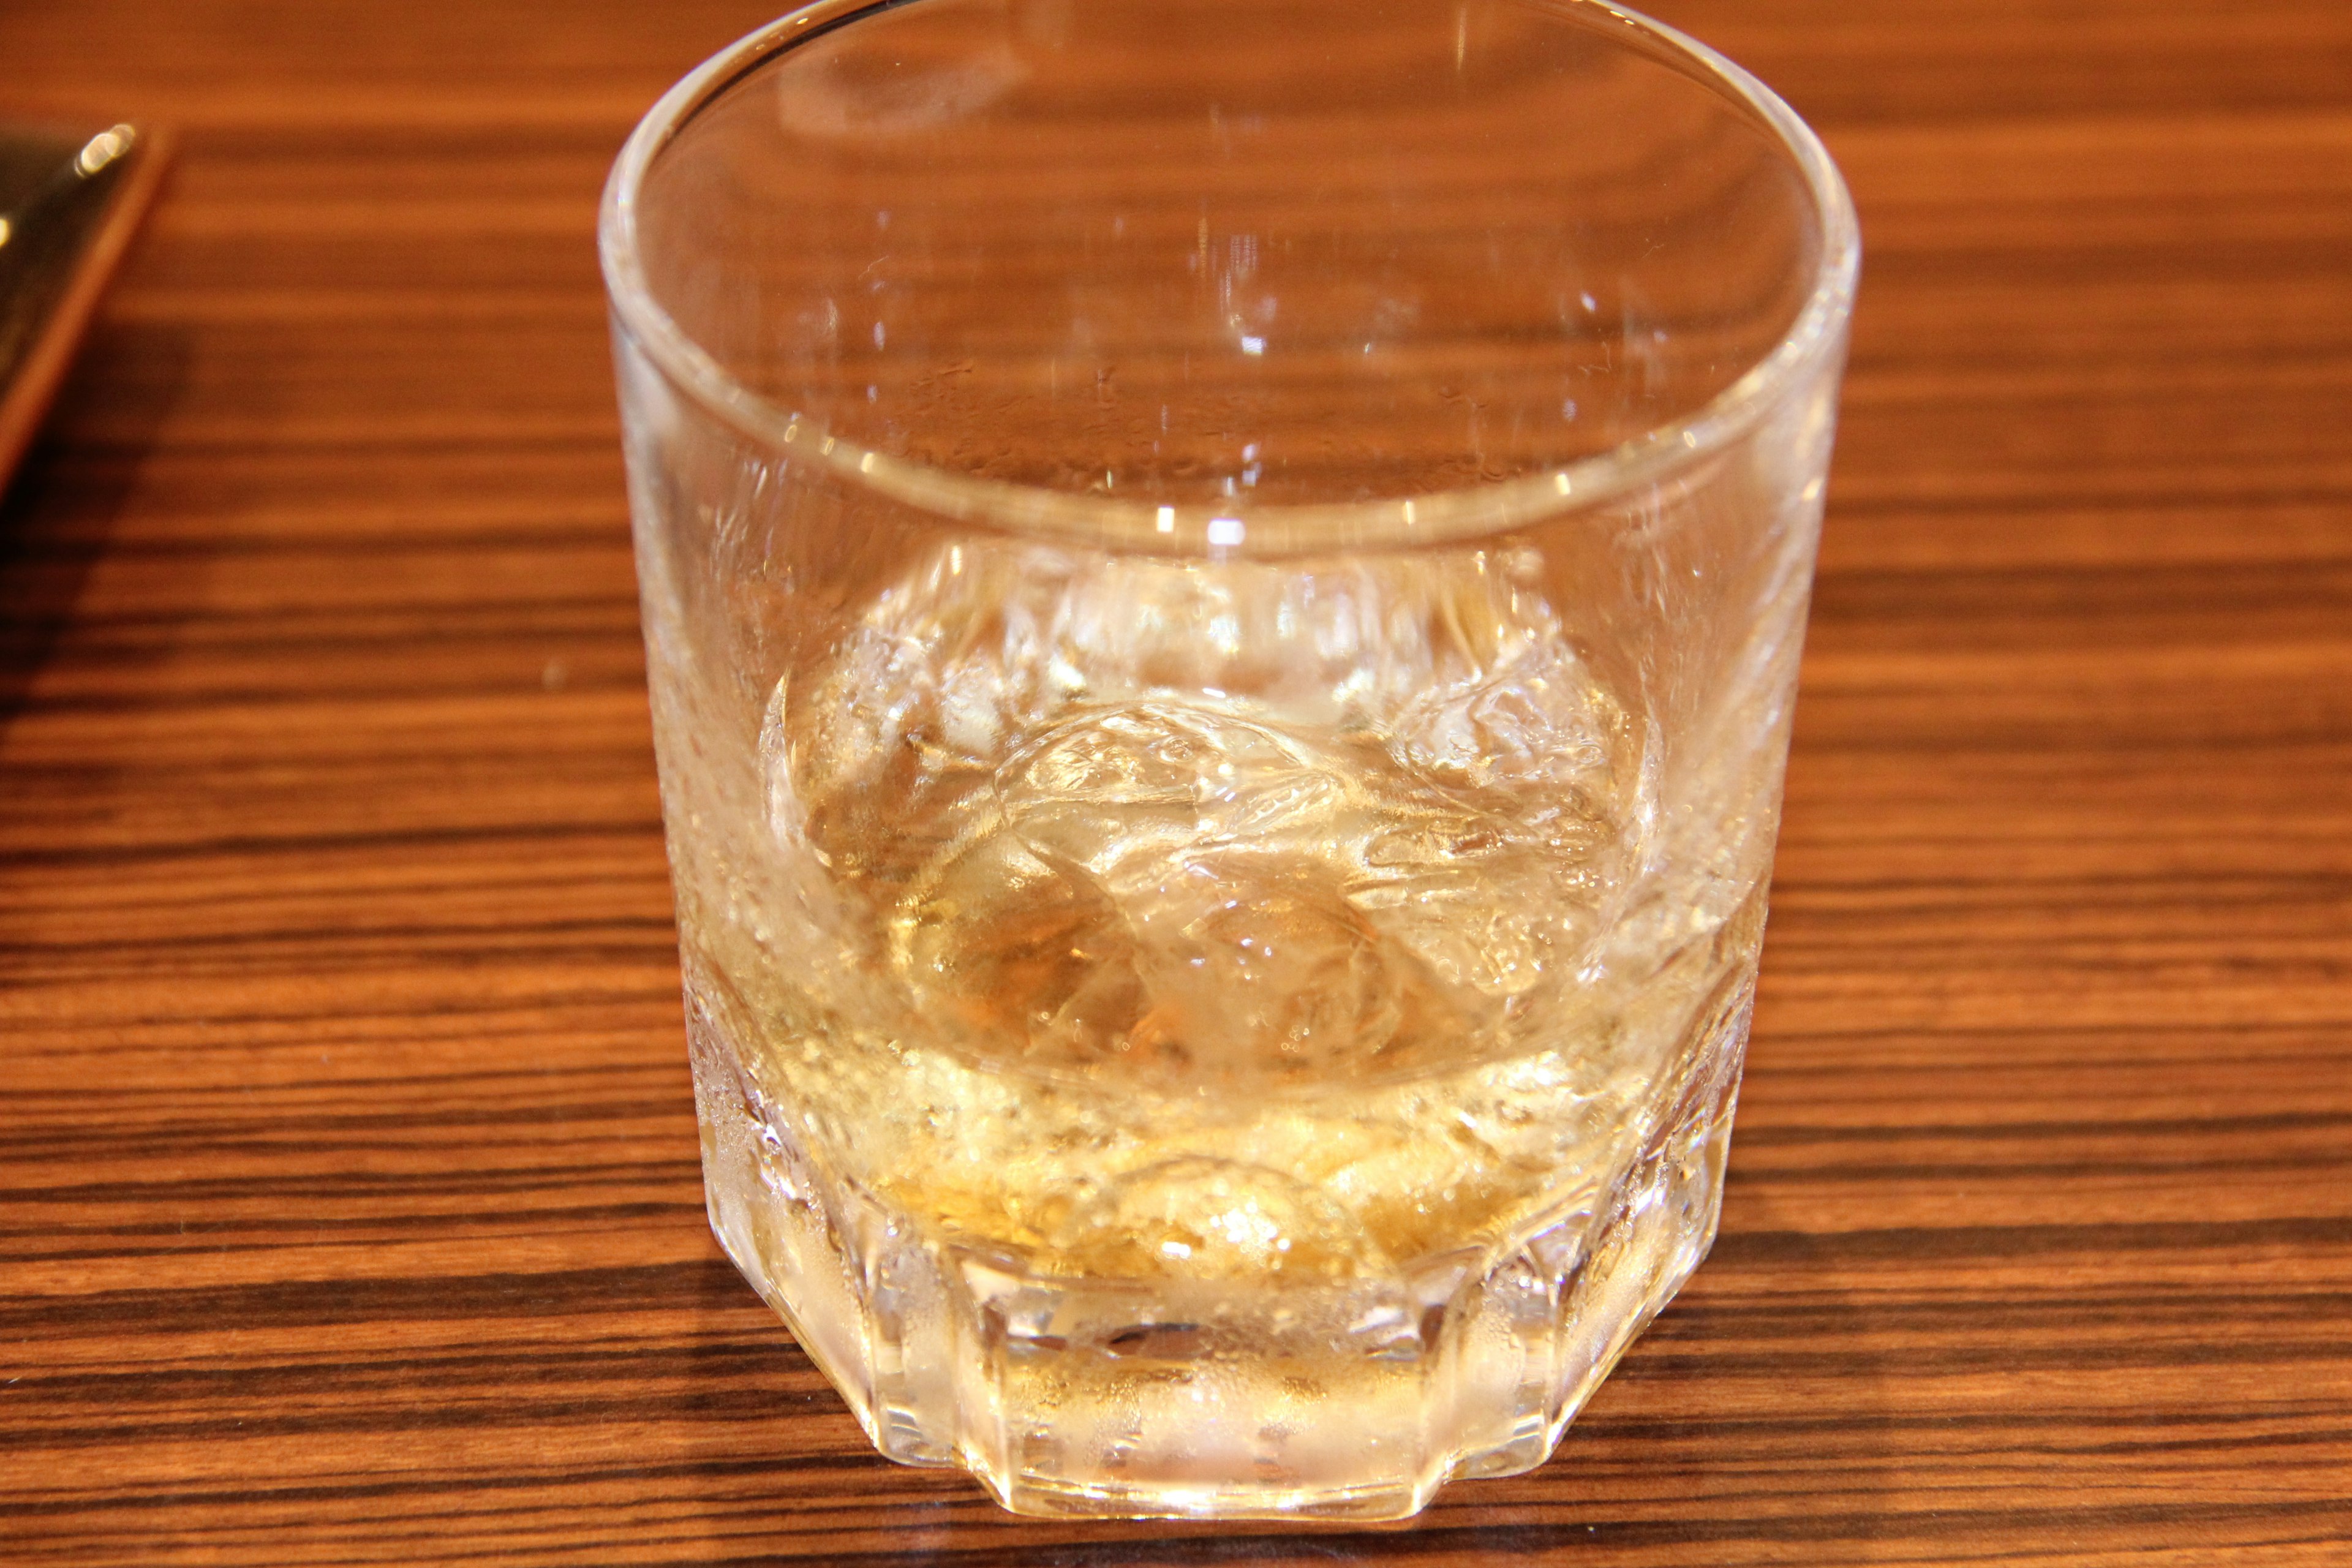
(103, 149)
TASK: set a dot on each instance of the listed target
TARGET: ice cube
(1532, 730)
(1021, 957)
(1140, 782)
(1257, 966)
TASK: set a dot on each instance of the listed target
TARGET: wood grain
(349, 1208)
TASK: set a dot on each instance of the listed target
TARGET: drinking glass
(1223, 583)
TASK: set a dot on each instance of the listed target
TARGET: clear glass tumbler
(1223, 583)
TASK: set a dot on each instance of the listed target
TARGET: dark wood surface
(348, 1206)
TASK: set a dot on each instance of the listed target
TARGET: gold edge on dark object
(32, 383)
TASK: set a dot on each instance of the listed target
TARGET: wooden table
(348, 1208)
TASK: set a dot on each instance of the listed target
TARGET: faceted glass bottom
(1329, 1398)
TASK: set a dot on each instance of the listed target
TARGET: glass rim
(1436, 516)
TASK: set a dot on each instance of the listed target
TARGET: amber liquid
(1214, 958)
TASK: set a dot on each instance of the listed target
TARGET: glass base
(1342, 1399)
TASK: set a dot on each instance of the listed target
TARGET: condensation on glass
(1223, 583)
